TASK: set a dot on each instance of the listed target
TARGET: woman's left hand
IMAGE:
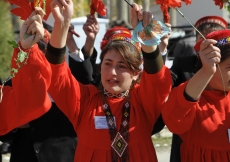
(32, 29)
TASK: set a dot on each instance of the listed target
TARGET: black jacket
(183, 69)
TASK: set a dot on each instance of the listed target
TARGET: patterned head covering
(212, 19)
(118, 33)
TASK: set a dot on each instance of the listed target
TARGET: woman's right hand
(91, 27)
(62, 11)
(209, 55)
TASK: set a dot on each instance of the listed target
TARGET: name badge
(101, 122)
(229, 135)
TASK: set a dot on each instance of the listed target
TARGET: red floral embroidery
(97, 6)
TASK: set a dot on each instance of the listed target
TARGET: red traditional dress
(82, 103)
(28, 99)
(202, 125)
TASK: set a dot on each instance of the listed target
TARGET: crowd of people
(52, 111)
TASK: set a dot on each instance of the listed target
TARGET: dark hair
(225, 52)
(209, 26)
(129, 53)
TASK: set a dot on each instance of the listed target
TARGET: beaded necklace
(119, 138)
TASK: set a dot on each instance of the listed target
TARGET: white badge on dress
(229, 135)
(101, 122)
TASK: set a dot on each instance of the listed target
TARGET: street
(5, 157)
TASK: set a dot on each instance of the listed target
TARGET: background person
(198, 110)
(185, 67)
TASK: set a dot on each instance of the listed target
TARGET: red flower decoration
(26, 7)
(165, 4)
(166, 15)
(97, 6)
(219, 3)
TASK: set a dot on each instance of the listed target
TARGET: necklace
(120, 95)
(119, 138)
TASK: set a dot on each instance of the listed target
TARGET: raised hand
(32, 29)
(209, 55)
(62, 10)
(91, 27)
(138, 14)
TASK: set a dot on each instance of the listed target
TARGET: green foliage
(21, 57)
(81, 7)
(138, 1)
(6, 34)
(227, 6)
(21, 60)
(13, 44)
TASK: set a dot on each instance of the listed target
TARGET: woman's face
(116, 77)
(216, 82)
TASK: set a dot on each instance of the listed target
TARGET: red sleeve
(178, 113)
(27, 99)
(154, 88)
(69, 94)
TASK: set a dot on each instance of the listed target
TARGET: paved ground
(163, 154)
(6, 158)
(162, 143)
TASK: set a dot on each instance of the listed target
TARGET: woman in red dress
(199, 110)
